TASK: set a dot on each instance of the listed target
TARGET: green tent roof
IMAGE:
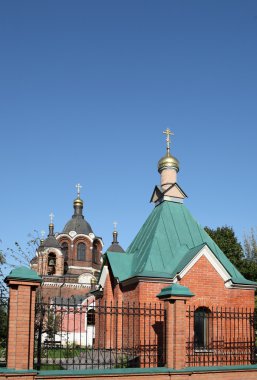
(166, 243)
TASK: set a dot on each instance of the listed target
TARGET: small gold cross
(168, 133)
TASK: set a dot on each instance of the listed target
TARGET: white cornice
(65, 285)
(205, 251)
(103, 276)
(78, 236)
(220, 269)
(83, 268)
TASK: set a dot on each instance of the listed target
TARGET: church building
(70, 262)
(171, 253)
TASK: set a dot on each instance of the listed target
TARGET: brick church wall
(209, 289)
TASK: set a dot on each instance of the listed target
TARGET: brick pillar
(175, 298)
(22, 282)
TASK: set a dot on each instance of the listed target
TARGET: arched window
(51, 263)
(94, 253)
(81, 252)
(91, 317)
(202, 331)
(65, 251)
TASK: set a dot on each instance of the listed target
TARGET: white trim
(53, 250)
(205, 251)
(60, 236)
(173, 199)
(65, 285)
(103, 276)
(230, 285)
(83, 268)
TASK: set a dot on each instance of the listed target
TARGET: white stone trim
(65, 285)
(205, 251)
(77, 236)
(103, 276)
(53, 250)
(84, 268)
(229, 284)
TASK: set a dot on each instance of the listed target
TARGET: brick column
(175, 298)
(22, 282)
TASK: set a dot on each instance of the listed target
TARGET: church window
(65, 250)
(91, 317)
(81, 252)
(51, 263)
(94, 253)
(65, 268)
(202, 327)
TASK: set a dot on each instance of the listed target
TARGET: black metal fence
(4, 306)
(83, 333)
(218, 337)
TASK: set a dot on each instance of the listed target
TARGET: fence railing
(219, 337)
(4, 306)
(79, 334)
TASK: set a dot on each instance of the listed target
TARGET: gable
(168, 191)
(211, 258)
(167, 242)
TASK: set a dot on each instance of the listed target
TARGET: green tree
(249, 269)
(227, 241)
(2, 262)
(250, 245)
(244, 258)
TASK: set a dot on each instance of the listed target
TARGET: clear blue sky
(86, 89)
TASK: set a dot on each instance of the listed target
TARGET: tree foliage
(244, 258)
(250, 245)
(22, 255)
(227, 241)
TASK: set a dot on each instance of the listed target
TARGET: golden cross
(168, 133)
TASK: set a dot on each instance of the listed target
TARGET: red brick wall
(209, 289)
(202, 279)
(72, 260)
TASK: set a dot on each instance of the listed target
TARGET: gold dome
(168, 161)
(78, 202)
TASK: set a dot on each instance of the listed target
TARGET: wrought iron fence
(80, 334)
(223, 336)
(4, 306)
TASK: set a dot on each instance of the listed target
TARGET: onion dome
(115, 247)
(77, 223)
(168, 161)
(50, 241)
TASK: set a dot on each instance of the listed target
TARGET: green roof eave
(168, 240)
(243, 281)
(120, 264)
(154, 274)
(23, 273)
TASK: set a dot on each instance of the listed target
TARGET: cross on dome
(168, 133)
(115, 226)
(42, 234)
(78, 186)
(51, 217)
